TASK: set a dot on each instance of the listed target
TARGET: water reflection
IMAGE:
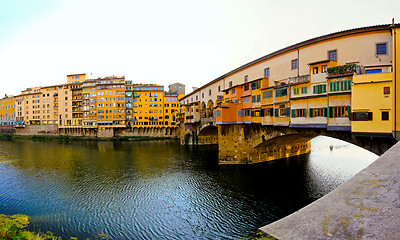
(161, 190)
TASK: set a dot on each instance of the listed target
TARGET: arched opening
(208, 135)
(210, 108)
(203, 110)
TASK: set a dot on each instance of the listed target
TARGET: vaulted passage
(208, 135)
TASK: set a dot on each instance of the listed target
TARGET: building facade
(330, 82)
(93, 107)
(7, 111)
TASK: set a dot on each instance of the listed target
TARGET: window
(317, 112)
(361, 116)
(255, 85)
(315, 70)
(369, 71)
(295, 63)
(324, 68)
(320, 88)
(281, 92)
(298, 113)
(385, 116)
(246, 100)
(247, 87)
(219, 88)
(266, 72)
(296, 91)
(267, 94)
(304, 90)
(230, 84)
(233, 91)
(256, 98)
(209, 92)
(339, 111)
(282, 112)
(340, 86)
(386, 90)
(381, 48)
(246, 78)
(332, 55)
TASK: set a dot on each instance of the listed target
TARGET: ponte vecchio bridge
(342, 85)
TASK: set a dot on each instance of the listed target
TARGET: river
(161, 190)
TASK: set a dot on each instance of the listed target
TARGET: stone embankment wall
(52, 130)
(7, 130)
(148, 132)
(45, 130)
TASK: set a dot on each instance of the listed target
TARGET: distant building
(7, 110)
(178, 88)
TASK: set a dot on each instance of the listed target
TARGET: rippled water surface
(161, 190)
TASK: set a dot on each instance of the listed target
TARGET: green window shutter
(324, 88)
(252, 113)
(287, 112)
(293, 113)
(330, 87)
(276, 112)
(325, 110)
(330, 112)
(348, 111)
(310, 111)
(314, 90)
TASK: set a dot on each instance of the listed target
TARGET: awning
(18, 122)
(104, 122)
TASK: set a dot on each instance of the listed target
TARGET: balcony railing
(299, 79)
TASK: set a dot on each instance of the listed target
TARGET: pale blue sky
(192, 42)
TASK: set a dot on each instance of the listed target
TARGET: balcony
(299, 79)
(77, 110)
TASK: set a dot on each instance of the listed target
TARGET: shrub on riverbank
(6, 136)
(12, 228)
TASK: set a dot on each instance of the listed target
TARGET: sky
(162, 41)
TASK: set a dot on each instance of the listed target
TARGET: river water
(161, 190)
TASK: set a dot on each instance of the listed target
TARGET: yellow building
(110, 102)
(49, 105)
(148, 105)
(7, 111)
(395, 53)
(128, 103)
(171, 109)
(89, 103)
(372, 105)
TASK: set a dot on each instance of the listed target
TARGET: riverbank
(13, 227)
(81, 138)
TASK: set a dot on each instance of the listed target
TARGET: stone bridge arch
(255, 143)
(208, 135)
